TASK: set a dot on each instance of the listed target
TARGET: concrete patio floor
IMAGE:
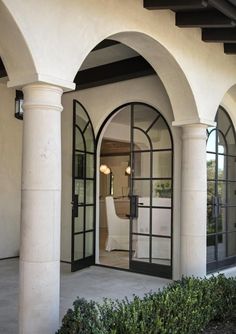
(91, 283)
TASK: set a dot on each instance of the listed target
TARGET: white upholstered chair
(118, 228)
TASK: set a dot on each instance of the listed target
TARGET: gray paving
(92, 283)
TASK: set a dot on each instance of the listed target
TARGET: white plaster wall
(100, 102)
(196, 74)
(10, 174)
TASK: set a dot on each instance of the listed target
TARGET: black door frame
(145, 268)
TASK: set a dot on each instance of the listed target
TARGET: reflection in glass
(78, 246)
(141, 247)
(89, 217)
(89, 165)
(79, 190)
(161, 250)
(89, 139)
(161, 222)
(162, 189)
(142, 189)
(231, 244)
(88, 244)
(79, 221)
(89, 192)
(211, 248)
(162, 164)
(79, 143)
(142, 164)
(211, 166)
(143, 220)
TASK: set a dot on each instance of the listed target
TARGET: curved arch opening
(135, 136)
(221, 190)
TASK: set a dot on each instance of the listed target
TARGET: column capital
(194, 131)
(193, 122)
(38, 96)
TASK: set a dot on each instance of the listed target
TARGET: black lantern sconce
(18, 104)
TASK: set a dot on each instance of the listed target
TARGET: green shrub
(184, 307)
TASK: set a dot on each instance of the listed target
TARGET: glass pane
(81, 117)
(222, 147)
(222, 192)
(231, 168)
(144, 116)
(222, 163)
(88, 135)
(230, 137)
(141, 248)
(88, 244)
(211, 165)
(161, 222)
(142, 189)
(141, 165)
(222, 121)
(79, 190)
(161, 250)
(162, 164)
(89, 217)
(79, 165)
(79, 143)
(231, 193)
(79, 221)
(89, 192)
(221, 221)
(231, 244)
(211, 222)
(211, 248)
(140, 140)
(211, 141)
(89, 165)
(231, 219)
(143, 221)
(78, 246)
(160, 135)
(221, 246)
(210, 191)
(162, 192)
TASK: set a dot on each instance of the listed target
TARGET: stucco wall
(10, 174)
(100, 102)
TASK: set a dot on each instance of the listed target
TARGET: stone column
(41, 209)
(194, 201)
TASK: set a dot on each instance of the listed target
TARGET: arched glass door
(221, 193)
(83, 190)
(151, 190)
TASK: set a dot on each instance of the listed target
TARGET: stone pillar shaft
(194, 201)
(41, 209)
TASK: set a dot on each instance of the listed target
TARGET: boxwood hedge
(185, 307)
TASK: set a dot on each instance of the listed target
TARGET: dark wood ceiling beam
(3, 72)
(106, 43)
(203, 19)
(230, 48)
(224, 35)
(224, 7)
(113, 72)
(175, 4)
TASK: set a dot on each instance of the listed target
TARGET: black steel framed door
(221, 193)
(83, 190)
(151, 192)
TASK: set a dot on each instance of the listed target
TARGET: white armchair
(118, 228)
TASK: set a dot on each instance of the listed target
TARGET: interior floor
(115, 258)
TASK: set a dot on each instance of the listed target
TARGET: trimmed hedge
(185, 307)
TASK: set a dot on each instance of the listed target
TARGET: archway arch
(170, 72)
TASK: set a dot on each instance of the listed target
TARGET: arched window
(221, 193)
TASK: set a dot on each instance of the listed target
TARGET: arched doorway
(221, 193)
(148, 188)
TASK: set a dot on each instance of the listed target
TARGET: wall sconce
(128, 170)
(18, 104)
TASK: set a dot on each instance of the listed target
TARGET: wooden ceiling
(216, 18)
